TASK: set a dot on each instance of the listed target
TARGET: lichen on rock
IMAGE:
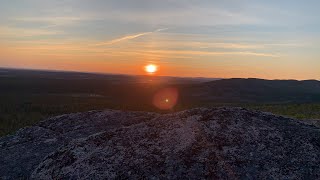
(201, 143)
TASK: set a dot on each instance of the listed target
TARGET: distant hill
(28, 96)
(127, 89)
(256, 91)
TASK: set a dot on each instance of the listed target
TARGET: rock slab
(202, 143)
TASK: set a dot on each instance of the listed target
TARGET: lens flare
(166, 98)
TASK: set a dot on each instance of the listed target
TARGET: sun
(151, 68)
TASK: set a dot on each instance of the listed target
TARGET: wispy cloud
(51, 21)
(207, 53)
(13, 32)
(128, 37)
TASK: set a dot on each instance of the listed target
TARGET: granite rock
(201, 143)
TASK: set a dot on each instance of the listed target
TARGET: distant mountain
(202, 143)
(134, 91)
(111, 78)
(256, 90)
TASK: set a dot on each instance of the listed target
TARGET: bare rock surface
(202, 143)
(21, 152)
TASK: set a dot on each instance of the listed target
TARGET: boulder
(201, 143)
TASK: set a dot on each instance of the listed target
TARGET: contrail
(163, 29)
(129, 37)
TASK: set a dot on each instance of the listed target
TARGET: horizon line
(121, 74)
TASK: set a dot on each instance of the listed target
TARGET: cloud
(13, 32)
(51, 21)
(207, 53)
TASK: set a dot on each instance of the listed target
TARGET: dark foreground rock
(203, 143)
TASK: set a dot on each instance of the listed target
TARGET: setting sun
(151, 68)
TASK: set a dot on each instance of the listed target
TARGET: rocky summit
(202, 143)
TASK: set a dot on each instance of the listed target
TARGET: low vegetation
(17, 111)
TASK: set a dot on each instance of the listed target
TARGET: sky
(195, 38)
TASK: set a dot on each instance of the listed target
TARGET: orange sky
(210, 39)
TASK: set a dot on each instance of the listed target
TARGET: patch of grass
(298, 111)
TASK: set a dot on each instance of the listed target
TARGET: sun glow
(151, 68)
